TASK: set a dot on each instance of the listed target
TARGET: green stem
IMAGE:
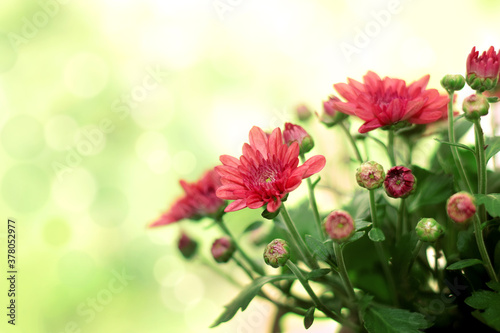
(351, 140)
(252, 264)
(345, 277)
(482, 249)
(390, 147)
(415, 253)
(454, 150)
(481, 164)
(317, 302)
(343, 272)
(297, 239)
(313, 204)
(401, 226)
(380, 251)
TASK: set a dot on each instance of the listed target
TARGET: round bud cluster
(370, 175)
(277, 253)
(461, 207)
(428, 230)
(339, 225)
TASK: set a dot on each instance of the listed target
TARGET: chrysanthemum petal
(258, 140)
(235, 205)
(229, 161)
(272, 206)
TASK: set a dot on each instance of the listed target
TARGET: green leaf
(319, 249)
(317, 273)
(488, 302)
(493, 148)
(357, 235)
(253, 226)
(268, 215)
(309, 317)
(492, 99)
(376, 235)
(360, 224)
(494, 285)
(388, 320)
(459, 145)
(464, 263)
(246, 296)
(490, 201)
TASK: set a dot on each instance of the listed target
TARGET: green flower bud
(453, 82)
(428, 230)
(475, 106)
(277, 253)
(370, 175)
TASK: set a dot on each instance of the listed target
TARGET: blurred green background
(105, 105)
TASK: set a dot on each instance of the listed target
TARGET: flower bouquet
(414, 247)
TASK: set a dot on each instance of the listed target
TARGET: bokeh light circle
(76, 191)
(25, 187)
(184, 162)
(60, 131)
(56, 232)
(22, 137)
(110, 207)
(169, 270)
(151, 147)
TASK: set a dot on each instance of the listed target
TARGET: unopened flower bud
(453, 82)
(295, 133)
(187, 246)
(303, 112)
(399, 182)
(222, 249)
(428, 230)
(461, 207)
(482, 71)
(277, 253)
(370, 175)
(339, 225)
(331, 115)
(475, 106)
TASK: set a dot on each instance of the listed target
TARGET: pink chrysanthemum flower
(199, 201)
(400, 182)
(485, 66)
(482, 71)
(266, 172)
(383, 102)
